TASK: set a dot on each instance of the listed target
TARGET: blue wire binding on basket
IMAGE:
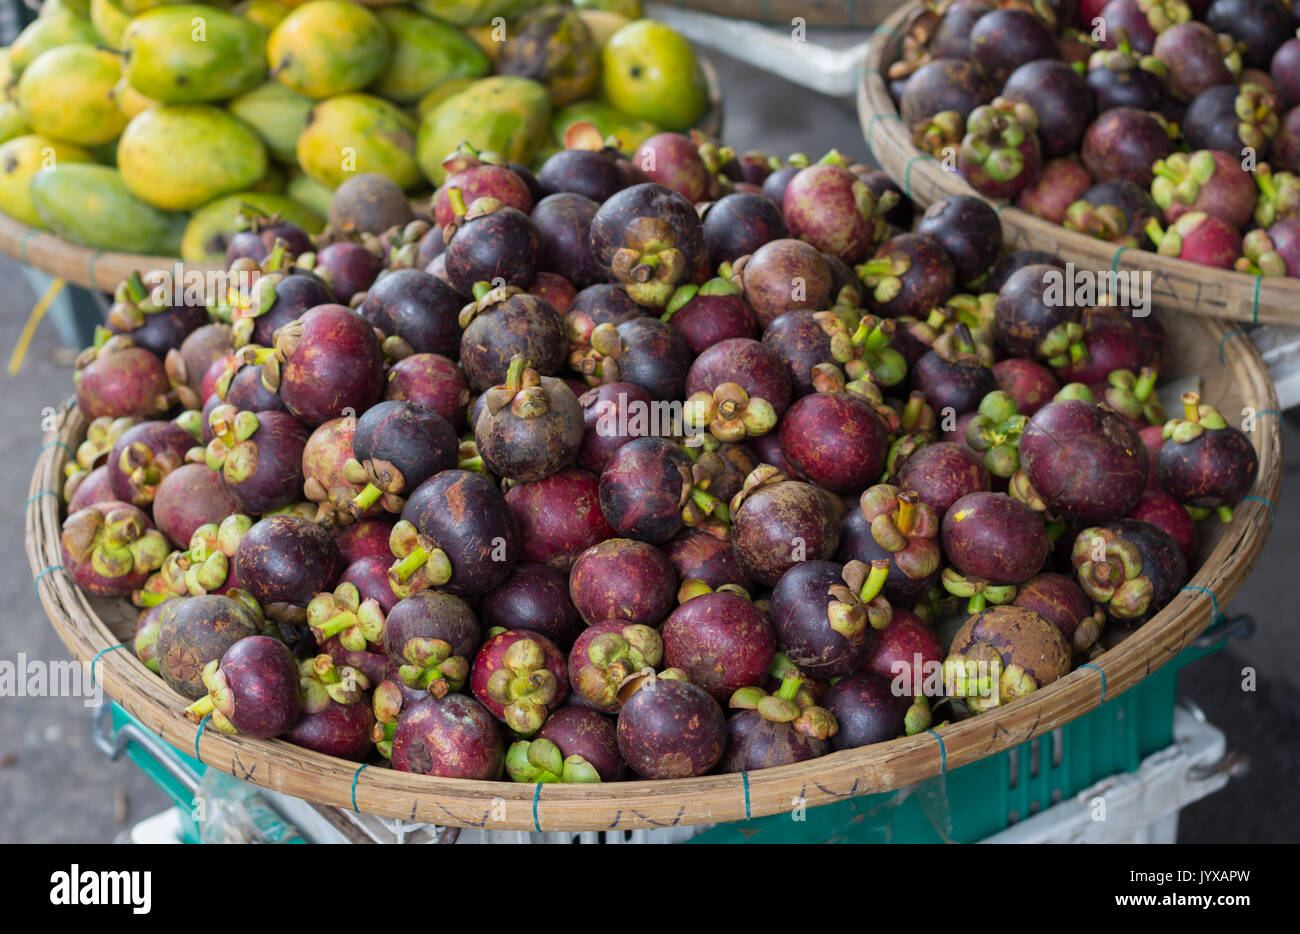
(1103, 682)
(199, 735)
(93, 679)
(355, 776)
(537, 796)
(35, 496)
(943, 752)
(1214, 601)
(744, 778)
(52, 567)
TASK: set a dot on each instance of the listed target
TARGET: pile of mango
(146, 126)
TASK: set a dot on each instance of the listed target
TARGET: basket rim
(628, 805)
(1244, 297)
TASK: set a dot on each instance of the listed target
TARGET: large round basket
(1176, 284)
(1231, 376)
(836, 13)
(101, 270)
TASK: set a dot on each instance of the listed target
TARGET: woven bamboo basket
(836, 13)
(102, 270)
(1232, 376)
(1176, 284)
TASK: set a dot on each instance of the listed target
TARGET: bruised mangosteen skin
(465, 515)
(287, 560)
(671, 729)
(721, 640)
(867, 710)
(940, 85)
(622, 579)
(780, 525)
(195, 631)
(450, 737)
(1057, 599)
(1086, 462)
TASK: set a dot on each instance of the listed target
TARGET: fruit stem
(481, 289)
(912, 410)
(515, 372)
(135, 286)
(1154, 231)
(200, 708)
(457, 199)
(790, 685)
(711, 504)
(1226, 513)
(335, 625)
(906, 511)
(875, 580)
(1145, 383)
(1191, 406)
(365, 499)
(977, 603)
(411, 563)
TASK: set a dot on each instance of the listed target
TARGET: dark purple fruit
(1060, 601)
(588, 743)
(674, 160)
(563, 222)
(1085, 462)
(259, 456)
(559, 517)
(894, 525)
(1125, 143)
(867, 710)
(119, 379)
(827, 616)
(194, 631)
(711, 314)
(952, 375)
(605, 655)
(736, 388)
(1228, 118)
(1030, 385)
(738, 224)
(1034, 318)
(190, 496)
(1061, 183)
(417, 313)
(489, 242)
(531, 426)
(649, 238)
(330, 361)
(836, 440)
(143, 456)
(347, 268)
(534, 597)
(450, 737)
(995, 538)
(671, 729)
(829, 207)
(1116, 210)
(284, 561)
(701, 555)
(593, 173)
(1061, 99)
(1121, 78)
(1260, 26)
(520, 677)
(1000, 155)
(336, 716)
(783, 275)
(951, 36)
(431, 636)
(648, 491)
(503, 322)
(1132, 569)
(279, 299)
(968, 228)
(433, 381)
(909, 275)
(621, 579)
(1204, 461)
(943, 473)
(945, 85)
(776, 523)
(1004, 40)
(1016, 260)
(721, 640)
(242, 384)
(253, 691)
(1196, 58)
(644, 351)
(400, 445)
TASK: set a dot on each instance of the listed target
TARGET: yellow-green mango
(8, 77)
(110, 21)
(630, 131)
(354, 133)
(439, 94)
(505, 114)
(179, 156)
(473, 12)
(191, 54)
(130, 101)
(328, 47)
(12, 121)
(136, 7)
(75, 7)
(49, 32)
(277, 114)
(88, 204)
(211, 226)
(426, 53)
(20, 160)
(310, 193)
(67, 93)
(264, 13)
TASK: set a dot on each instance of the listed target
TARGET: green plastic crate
(161, 775)
(983, 798)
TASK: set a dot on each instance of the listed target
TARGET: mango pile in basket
(142, 127)
(1166, 125)
(645, 466)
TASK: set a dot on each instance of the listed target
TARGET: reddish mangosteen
(909, 275)
(144, 640)
(369, 575)
(669, 728)
(1031, 385)
(968, 228)
(827, 616)
(836, 440)
(333, 477)
(831, 208)
(721, 640)
(89, 489)
(364, 538)
(943, 473)
(534, 597)
(1061, 99)
(1275, 252)
(1061, 183)
(621, 579)
(559, 517)
(783, 275)
(650, 490)
(284, 561)
(705, 556)
(1000, 155)
(431, 636)
(673, 160)
(1204, 461)
(110, 548)
(259, 456)
(1206, 180)
(241, 383)
(329, 361)
(739, 224)
(336, 719)
(645, 351)
(952, 375)
(1003, 654)
(1198, 238)
(867, 710)
(277, 300)
(707, 315)
(908, 653)
(416, 312)
(574, 745)
(196, 631)
(433, 381)
(995, 538)
(1060, 601)
(116, 378)
(520, 677)
(190, 496)
(479, 175)
(776, 523)
(736, 388)
(1084, 461)
(1130, 568)
(531, 427)
(893, 525)
(1228, 117)
(563, 223)
(555, 289)
(1285, 72)
(1259, 26)
(776, 729)
(456, 532)
(1164, 512)
(945, 85)
(603, 303)
(143, 456)
(450, 737)
(487, 241)
(348, 268)
(1036, 319)
(1195, 59)
(605, 655)
(503, 322)
(1110, 342)
(649, 238)
(252, 691)
(1125, 143)
(185, 367)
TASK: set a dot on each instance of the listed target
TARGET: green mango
(21, 160)
(426, 53)
(90, 205)
(505, 114)
(630, 131)
(264, 13)
(310, 193)
(110, 21)
(12, 121)
(75, 7)
(328, 47)
(211, 226)
(277, 114)
(438, 94)
(354, 133)
(179, 156)
(191, 54)
(49, 32)
(67, 93)
(473, 12)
